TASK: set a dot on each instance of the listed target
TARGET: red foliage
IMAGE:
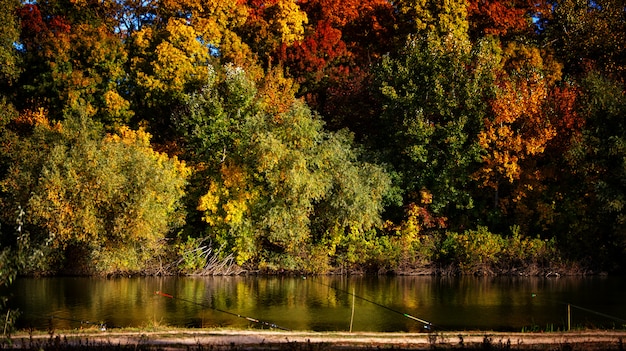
(495, 17)
(257, 7)
(34, 26)
(365, 26)
(31, 20)
(563, 114)
(336, 12)
(343, 40)
(59, 24)
(314, 54)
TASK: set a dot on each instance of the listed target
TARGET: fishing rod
(617, 319)
(427, 325)
(254, 320)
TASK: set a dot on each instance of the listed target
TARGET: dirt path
(262, 340)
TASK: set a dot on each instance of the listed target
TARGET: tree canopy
(312, 135)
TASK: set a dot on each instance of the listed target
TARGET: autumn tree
(277, 185)
(104, 202)
(506, 18)
(332, 63)
(166, 64)
(594, 205)
(367, 27)
(72, 65)
(271, 24)
(9, 36)
(433, 109)
(589, 35)
(219, 24)
(519, 129)
(480, 112)
(533, 120)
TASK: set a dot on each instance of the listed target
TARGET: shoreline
(216, 339)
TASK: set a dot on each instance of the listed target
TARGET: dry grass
(162, 338)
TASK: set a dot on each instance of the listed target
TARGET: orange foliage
(276, 92)
(28, 119)
(518, 130)
(33, 118)
(521, 126)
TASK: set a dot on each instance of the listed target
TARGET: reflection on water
(322, 303)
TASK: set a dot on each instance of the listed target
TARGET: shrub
(111, 196)
(521, 252)
(474, 250)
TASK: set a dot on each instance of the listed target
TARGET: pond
(325, 303)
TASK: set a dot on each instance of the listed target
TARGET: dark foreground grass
(292, 341)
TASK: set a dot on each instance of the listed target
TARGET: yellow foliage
(178, 60)
(276, 92)
(217, 19)
(143, 38)
(530, 60)
(245, 251)
(208, 203)
(128, 136)
(229, 202)
(289, 21)
(141, 139)
(178, 5)
(115, 104)
(445, 19)
(426, 197)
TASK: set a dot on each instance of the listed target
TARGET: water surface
(323, 303)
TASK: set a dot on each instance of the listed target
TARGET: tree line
(159, 137)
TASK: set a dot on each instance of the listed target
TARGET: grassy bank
(217, 339)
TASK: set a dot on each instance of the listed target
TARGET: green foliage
(113, 197)
(480, 251)
(278, 182)
(215, 118)
(192, 256)
(598, 160)
(314, 176)
(15, 258)
(521, 251)
(473, 250)
(358, 249)
(433, 107)
(422, 128)
(9, 34)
